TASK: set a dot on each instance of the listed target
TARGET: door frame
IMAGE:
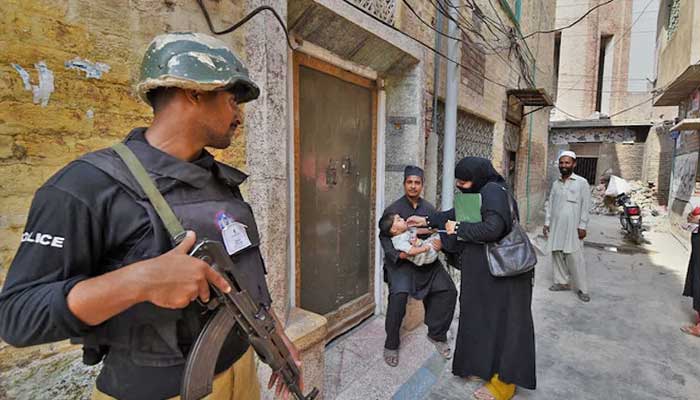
(352, 313)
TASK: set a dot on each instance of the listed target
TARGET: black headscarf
(479, 171)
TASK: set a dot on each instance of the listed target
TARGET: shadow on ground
(624, 344)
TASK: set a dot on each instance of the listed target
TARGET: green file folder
(468, 207)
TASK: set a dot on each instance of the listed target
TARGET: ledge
(688, 124)
(305, 328)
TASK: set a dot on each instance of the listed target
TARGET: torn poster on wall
(92, 70)
(41, 92)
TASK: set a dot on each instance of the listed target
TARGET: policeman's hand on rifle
(281, 390)
(174, 279)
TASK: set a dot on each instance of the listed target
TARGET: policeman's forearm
(98, 299)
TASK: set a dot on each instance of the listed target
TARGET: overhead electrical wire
(615, 41)
(579, 19)
(362, 10)
(508, 64)
(244, 20)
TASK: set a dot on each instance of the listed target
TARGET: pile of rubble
(644, 195)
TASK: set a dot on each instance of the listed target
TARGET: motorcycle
(630, 217)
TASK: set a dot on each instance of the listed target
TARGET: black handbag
(514, 254)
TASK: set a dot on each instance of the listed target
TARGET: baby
(419, 251)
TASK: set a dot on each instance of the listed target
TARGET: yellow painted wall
(82, 114)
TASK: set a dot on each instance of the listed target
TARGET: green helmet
(194, 61)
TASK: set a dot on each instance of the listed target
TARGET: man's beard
(565, 171)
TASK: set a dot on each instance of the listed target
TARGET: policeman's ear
(194, 96)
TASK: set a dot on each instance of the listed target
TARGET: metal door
(334, 192)
(586, 167)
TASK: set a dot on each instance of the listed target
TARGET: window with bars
(674, 16)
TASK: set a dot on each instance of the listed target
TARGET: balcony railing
(382, 9)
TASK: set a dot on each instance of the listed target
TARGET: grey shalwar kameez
(567, 212)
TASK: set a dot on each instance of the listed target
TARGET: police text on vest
(43, 239)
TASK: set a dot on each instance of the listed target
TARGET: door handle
(346, 166)
(331, 173)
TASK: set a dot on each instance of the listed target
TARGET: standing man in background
(567, 216)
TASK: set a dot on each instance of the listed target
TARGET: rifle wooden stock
(236, 307)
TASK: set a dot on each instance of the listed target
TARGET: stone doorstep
(308, 332)
(306, 329)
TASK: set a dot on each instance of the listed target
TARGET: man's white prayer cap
(567, 153)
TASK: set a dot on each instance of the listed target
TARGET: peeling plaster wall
(405, 137)
(93, 51)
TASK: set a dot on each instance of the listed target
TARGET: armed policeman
(96, 262)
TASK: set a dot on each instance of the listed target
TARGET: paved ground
(624, 344)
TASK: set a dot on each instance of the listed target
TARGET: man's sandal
(483, 393)
(391, 357)
(583, 296)
(558, 287)
(693, 330)
(442, 348)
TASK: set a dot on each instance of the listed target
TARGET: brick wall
(630, 159)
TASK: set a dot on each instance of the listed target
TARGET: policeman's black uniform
(92, 218)
(430, 283)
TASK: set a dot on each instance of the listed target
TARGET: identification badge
(235, 237)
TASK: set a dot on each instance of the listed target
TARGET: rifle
(235, 307)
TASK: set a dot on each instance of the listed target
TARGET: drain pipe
(436, 63)
(452, 88)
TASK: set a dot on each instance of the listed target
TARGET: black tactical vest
(202, 200)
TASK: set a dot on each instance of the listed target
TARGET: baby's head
(392, 224)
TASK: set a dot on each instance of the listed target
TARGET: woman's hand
(693, 219)
(451, 227)
(415, 220)
(437, 244)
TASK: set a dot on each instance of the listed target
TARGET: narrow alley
(624, 344)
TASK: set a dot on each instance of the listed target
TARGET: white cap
(567, 153)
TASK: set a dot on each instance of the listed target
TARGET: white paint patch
(173, 62)
(203, 58)
(92, 70)
(90, 113)
(206, 40)
(25, 76)
(42, 93)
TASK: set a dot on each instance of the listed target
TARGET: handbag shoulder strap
(511, 200)
(166, 214)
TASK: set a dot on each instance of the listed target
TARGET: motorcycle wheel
(623, 222)
(636, 234)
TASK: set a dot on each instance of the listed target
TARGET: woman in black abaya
(496, 339)
(692, 278)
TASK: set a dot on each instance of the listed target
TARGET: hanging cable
(244, 20)
(506, 62)
(615, 41)
(392, 27)
(579, 19)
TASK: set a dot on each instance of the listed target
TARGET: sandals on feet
(558, 287)
(442, 348)
(693, 330)
(483, 393)
(391, 357)
(583, 296)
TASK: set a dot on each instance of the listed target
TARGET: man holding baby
(411, 268)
